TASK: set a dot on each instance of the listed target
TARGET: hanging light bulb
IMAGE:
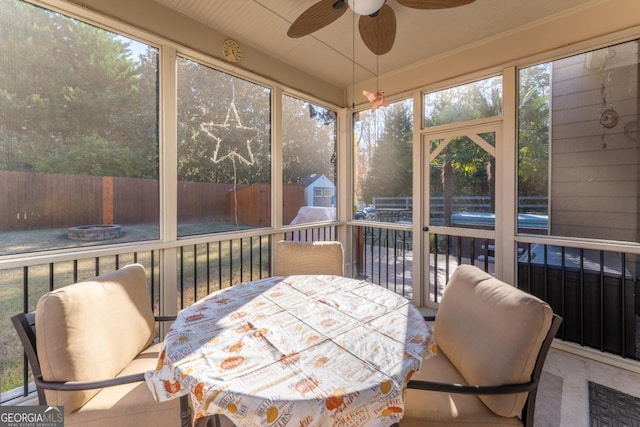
(365, 7)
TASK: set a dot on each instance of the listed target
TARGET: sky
(136, 48)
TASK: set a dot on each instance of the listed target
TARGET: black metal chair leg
(214, 421)
(185, 411)
(210, 421)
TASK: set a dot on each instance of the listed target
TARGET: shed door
(323, 196)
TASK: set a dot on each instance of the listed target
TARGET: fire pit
(94, 232)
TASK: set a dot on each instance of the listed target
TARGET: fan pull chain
(377, 74)
(353, 62)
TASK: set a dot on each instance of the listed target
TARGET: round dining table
(303, 351)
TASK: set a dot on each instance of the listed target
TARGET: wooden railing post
(107, 200)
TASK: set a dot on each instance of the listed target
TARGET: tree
(65, 82)
(461, 169)
(390, 171)
(462, 160)
(69, 87)
(207, 100)
(533, 136)
(86, 155)
(308, 140)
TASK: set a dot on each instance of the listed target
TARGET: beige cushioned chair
(292, 258)
(492, 338)
(98, 331)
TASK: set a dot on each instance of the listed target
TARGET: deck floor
(385, 266)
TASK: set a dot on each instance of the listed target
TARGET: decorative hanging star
(233, 139)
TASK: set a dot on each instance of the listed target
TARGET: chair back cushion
(293, 257)
(92, 330)
(492, 333)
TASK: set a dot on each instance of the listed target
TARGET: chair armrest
(165, 318)
(185, 409)
(88, 385)
(429, 318)
(472, 389)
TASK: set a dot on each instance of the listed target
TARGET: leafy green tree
(533, 137)
(86, 156)
(66, 81)
(209, 99)
(213, 105)
(463, 167)
(69, 87)
(391, 169)
(460, 169)
(308, 140)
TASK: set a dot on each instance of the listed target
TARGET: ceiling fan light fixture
(365, 7)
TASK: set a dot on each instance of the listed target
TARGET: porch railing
(446, 252)
(596, 291)
(21, 287)
(384, 255)
(202, 268)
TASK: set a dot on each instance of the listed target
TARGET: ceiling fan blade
(434, 4)
(317, 16)
(378, 31)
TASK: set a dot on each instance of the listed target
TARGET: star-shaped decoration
(233, 139)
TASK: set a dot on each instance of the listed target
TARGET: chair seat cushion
(429, 408)
(109, 408)
(492, 333)
(92, 330)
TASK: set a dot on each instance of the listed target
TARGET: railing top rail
(90, 252)
(385, 225)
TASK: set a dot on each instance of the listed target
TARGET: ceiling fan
(377, 22)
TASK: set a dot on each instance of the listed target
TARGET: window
(476, 100)
(224, 151)
(579, 172)
(462, 180)
(462, 163)
(78, 133)
(578, 163)
(383, 171)
(308, 162)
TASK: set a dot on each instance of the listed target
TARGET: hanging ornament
(609, 117)
(376, 99)
(233, 139)
(233, 142)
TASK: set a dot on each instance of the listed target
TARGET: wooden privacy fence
(254, 207)
(31, 201)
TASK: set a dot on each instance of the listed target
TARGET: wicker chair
(492, 342)
(308, 258)
(89, 344)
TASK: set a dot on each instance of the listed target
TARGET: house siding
(594, 171)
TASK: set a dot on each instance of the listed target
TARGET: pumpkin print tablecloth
(303, 351)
